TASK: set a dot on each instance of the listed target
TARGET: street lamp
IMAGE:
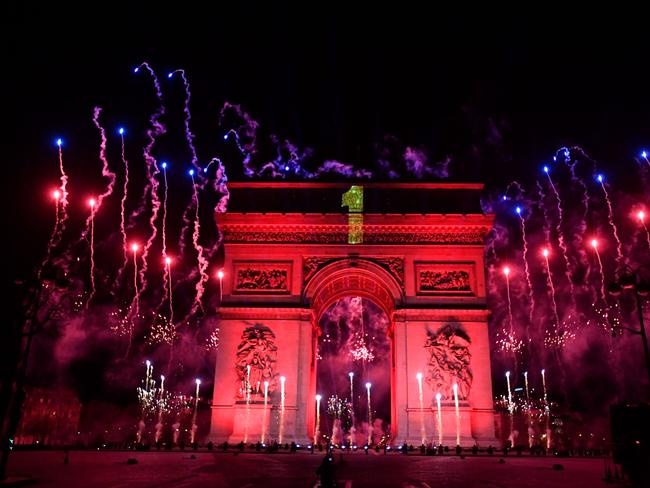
(639, 282)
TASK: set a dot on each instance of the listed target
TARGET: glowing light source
(351, 374)
(438, 396)
(508, 374)
(91, 202)
(419, 376)
(134, 247)
(225, 136)
(136, 69)
(545, 252)
(283, 379)
(121, 130)
(368, 385)
(318, 398)
(644, 154)
(191, 172)
(220, 274)
(168, 260)
(506, 270)
(504, 198)
(59, 141)
(164, 165)
(641, 215)
(600, 177)
(56, 194)
(162, 377)
(518, 210)
(594, 243)
(197, 381)
(169, 75)
(148, 363)
(545, 168)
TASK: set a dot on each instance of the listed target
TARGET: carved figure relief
(261, 279)
(255, 362)
(449, 361)
(445, 281)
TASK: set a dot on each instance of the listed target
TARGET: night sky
(495, 92)
(498, 92)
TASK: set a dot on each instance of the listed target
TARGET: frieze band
(338, 234)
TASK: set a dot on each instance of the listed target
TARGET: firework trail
(510, 342)
(64, 195)
(594, 245)
(529, 282)
(134, 308)
(542, 207)
(92, 202)
(189, 137)
(551, 287)
(50, 244)
(125, 248)
(612, 224)
(560, 237)
(202, 262)
(164, 215)
(220, 186)
(248, 128)
(106, 172)
(156, 130)
(641, 216)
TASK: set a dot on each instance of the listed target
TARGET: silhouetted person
(475, 449)
(66, 457)
(459, 449)
(326, 471)
(210, 446)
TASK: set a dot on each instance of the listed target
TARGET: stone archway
(348, 277)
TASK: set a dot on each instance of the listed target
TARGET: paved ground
(217, 469)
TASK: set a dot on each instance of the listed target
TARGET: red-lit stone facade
(282, 271)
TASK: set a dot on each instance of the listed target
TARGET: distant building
(50, 416)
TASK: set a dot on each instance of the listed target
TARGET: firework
(560, 236)
(612, 224)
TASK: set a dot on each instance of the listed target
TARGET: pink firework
(612, 224)
(202, 262)
(151, 188)
(641, 216)
(560, 237)
(63, 194)
(125, 248)
(56, 195)
(529, 283)
(92, 204)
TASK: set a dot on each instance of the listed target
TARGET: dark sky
(496, 91)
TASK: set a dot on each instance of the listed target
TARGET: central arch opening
(353, 373)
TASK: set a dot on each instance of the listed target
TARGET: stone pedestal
(251, 423)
